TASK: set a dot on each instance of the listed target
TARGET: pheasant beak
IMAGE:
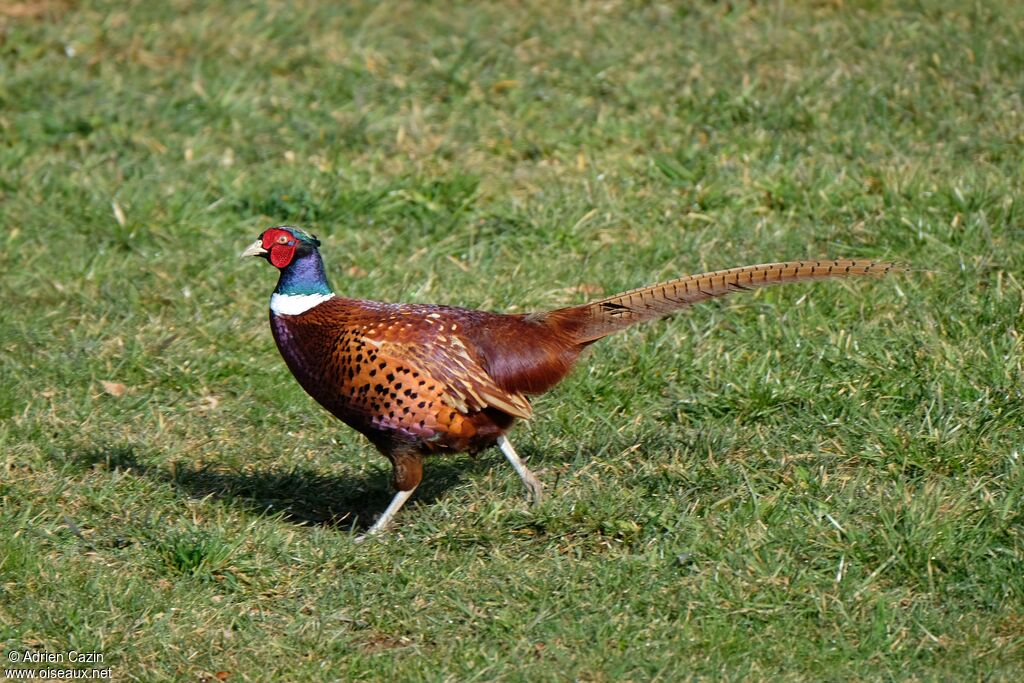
(254, 249)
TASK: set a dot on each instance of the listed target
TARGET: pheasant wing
(462, 381)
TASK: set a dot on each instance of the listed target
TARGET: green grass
(812, 482)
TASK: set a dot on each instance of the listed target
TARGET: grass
(813, 482)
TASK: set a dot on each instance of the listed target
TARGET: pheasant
(421, 380)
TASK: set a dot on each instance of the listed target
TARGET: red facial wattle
(281, 244)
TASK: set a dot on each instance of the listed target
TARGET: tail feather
(592, 321)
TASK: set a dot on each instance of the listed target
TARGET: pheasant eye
(282, 239)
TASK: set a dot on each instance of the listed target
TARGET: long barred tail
(597, 319)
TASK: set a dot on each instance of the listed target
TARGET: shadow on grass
(300, 495)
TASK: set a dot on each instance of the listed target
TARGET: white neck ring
(296, 304)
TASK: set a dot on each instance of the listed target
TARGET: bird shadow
(301, 495)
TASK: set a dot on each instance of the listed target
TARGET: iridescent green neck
(304, 275)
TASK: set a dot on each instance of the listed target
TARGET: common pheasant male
(418, 380)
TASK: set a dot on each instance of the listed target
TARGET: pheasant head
(303, 282)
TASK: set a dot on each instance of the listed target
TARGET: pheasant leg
(530, 480)
(389, 514)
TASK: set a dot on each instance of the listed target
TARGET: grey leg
(389, 514)
(530, 480)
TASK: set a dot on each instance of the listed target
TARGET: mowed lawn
(816, 482)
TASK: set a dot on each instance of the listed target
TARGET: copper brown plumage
(419, 380)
